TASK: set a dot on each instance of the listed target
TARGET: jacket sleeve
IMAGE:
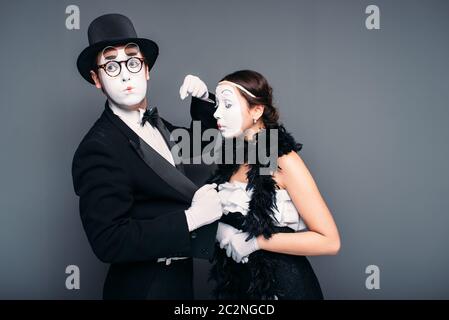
(201, 110)
(106, 209)
(202, 116)
(202, 239)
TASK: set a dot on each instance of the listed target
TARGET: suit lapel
(171, 175)
(166, 135)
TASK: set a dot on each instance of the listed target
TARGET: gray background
(370, 107)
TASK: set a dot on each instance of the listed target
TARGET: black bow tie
(151, 115)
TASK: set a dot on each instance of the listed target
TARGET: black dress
(267, 275)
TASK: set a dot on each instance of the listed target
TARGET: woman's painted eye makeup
(228, 104)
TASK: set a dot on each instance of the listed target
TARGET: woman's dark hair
(256, 83)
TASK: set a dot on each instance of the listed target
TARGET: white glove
(194, 86)
(239, 249)
(205, 207)
(225, 233)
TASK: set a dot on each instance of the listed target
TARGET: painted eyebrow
(109, 53)
(109, 56)
(226, 92)
(113, 56)
(131, 52)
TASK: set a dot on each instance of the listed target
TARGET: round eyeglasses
(113, 68)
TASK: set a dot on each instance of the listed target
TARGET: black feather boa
(252, 280)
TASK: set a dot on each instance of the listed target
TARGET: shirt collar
(129, 116)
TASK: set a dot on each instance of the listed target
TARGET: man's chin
(129, 102)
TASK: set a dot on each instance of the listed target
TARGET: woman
(270, 222)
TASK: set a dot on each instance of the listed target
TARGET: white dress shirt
(148, 133)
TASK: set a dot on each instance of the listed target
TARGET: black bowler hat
(109, 30)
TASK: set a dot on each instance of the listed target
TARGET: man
(140, 212)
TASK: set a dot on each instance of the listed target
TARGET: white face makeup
(126, 88)
(229, 111)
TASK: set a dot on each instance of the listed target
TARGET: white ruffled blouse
(235, 198)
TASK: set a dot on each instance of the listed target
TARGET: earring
(254, 121)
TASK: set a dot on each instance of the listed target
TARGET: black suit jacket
(132, 204)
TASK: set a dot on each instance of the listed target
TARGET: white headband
(238, 86)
